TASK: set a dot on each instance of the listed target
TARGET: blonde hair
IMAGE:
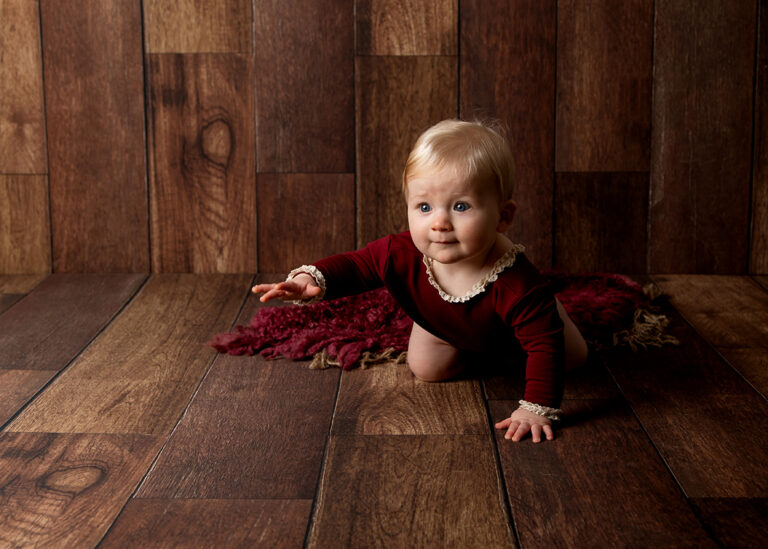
(477, 149)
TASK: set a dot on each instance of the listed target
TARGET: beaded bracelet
(315, 273)
(538, 409)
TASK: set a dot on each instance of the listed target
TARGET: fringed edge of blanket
(322, 360)
(648, 328)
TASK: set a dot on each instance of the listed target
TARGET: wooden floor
(121, 429)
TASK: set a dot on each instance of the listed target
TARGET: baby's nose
(441, 223)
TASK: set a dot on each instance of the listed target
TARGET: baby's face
(452, 219)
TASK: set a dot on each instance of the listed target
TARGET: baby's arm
(300, 287)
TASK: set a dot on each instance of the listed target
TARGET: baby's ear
(506, 215)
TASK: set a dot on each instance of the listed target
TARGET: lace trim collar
(504, 262)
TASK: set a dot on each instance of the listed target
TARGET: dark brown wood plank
(601, 222)
(735, 522)
(94, 96)
(162, 523)
(140, 373)
(304, 86)
(508, 72)
(17, 387)
(65, 490)
(202, 189)
(604, 72)
(303, 218)
(14, 287)
(50, 326)
(422, 27)
(197, 26)
(702, 136)
(25, 232)
(389, 400)
(409, 491)
(22, 123)
(758, 243)
(594, 485)
(762, 281)
(386, 131)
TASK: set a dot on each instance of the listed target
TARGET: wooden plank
(163, 523)
(25, 231)
(305, 92)
(94, 95)
(17, 387)
(702, 136)
(22, 123)
(15, 287)
(423, 27)
(601, 222)
(319, 221)
(762, 281)
(49, 327)
(139, 374)
(604, 72)
(386, 132)
(734, 522)
(202, 190)
(595, 484)
(389, 400)
(758, 244)
(508, 63)
(409, 491)
(65, 490)
(197, 26)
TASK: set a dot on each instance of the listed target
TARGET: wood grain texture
(94, 95)
(427, 87)
(139, 374)
(51, 325)
(20, 284)
(507, 64)
(305, 86)
(389, 400)
(198, 26)
(22, 123)
(303, 218)
(202, 189)
(604, 72)
(734, 522)
(409, 491)
(601, 222)
(594, 485)
(17, 387)
(422, 27)
(762, 281)
(758, 244)
(702, 136)
(160, 523)
(63, 490)
(25, 229)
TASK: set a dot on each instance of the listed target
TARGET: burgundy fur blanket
(609, 310)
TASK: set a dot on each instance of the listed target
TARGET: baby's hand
(301, 286)
(523, 421)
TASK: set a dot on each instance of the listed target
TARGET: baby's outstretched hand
(301, 286)
(522, 422)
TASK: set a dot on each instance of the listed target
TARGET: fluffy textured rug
(609, 310)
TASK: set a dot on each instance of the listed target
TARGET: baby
(466, 286)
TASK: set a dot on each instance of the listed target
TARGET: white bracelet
(315, 273)
(538, 409)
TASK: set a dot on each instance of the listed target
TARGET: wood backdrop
(245, 135)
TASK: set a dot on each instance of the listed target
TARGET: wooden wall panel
(96, 145)
(397, 99)
(304, 86)
(198, 26)
(702, 129)
(202, 188)
(25, 234)
(508, 72)
(758, 253)
(22, 126)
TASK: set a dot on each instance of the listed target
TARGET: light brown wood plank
(409, 491)
(51, 325)
(22, 123)
(202, 189)
(758, 244)
(17, 387)
(600, 483)
(198, 26)
(735, 522)
(305, 86)
(508, 62)
(139, 374)
(386, 132)
(422, 27)
(162, 523)
(316, 210)
(25, 231)
(702, 136)
(63, 490)
(20, 284)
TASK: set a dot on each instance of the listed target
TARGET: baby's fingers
(518, 430)
(504, 423)
(548, 432)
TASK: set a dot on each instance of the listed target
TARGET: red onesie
(515, 310)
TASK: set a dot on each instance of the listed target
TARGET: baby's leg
(575, 346)
(430, 358)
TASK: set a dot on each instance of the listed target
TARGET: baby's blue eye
(424, 208)
(461, 207)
